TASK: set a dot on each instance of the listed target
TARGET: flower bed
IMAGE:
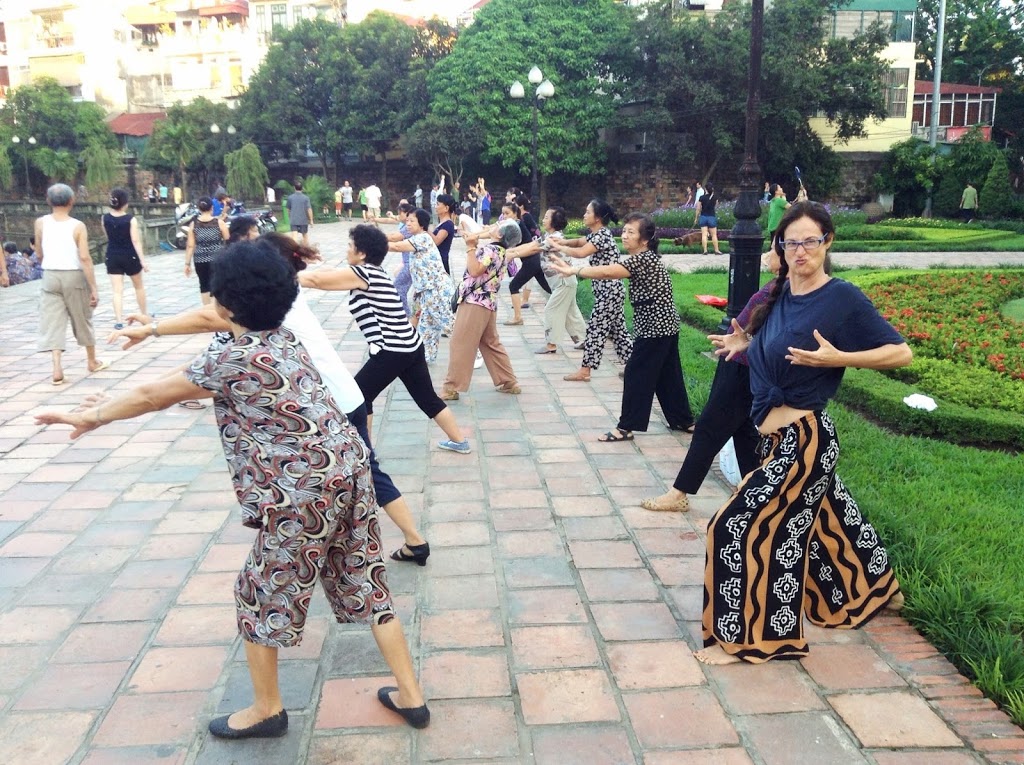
(956, 316)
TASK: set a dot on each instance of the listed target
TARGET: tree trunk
(384, 176)
(184, 181)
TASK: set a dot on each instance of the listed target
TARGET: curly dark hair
(370, 241)
(296, 254)
(253, 282)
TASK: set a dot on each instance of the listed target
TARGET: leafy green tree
(387, 92)
(909, 172)
(996, 198)
(103, 166)
(58, 165)
(91, 127)
(982, 40)
(946, 201)
(694, 93)
(6, 170)
(291, 100)
(173, 145)
(971, 157)
(583, 47)
(320, 193)
(247, 176)
(441, 145)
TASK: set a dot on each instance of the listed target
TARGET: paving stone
(42, 738)
(689, 717)
(566, 696)
(464, 534)
(455, 592)
(545, 606)
(104, 642)
(150, 719)
(480, 730)
(803, 738)
(679, 569)
(634, 621)
(35, 545)
(385, 748)
(222, 557)
(727, 755)
(135, 755)
(465, 675)
(163, 670)
(893, 719)
(607, 527)
(930, 757)
(35, 624)
(614, 584)
(848, 667)
(120, 605)
(209, 589)
(580, 506)
(559, 646)
(19, 663)
(467, 510)
(462, 561)
(604, 554)
(530, 544)
(661, 664)
(581, 745)
(467, 628)
(89, 560)
(198, 625)
(351, 702)
(297, 681)
(528, 519)
(524, 573)
(74, 686)
(780, 686)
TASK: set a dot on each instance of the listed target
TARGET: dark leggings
(529, 270)
(384, 367)
(654, 370)
(384, 487)
(726, 415)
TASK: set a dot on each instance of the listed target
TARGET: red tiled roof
(946, 88)
(135, 124)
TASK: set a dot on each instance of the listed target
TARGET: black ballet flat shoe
(684, 428)
(417, 717)
(419, 554)
(272, 727)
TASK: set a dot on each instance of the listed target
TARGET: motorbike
(184, 214)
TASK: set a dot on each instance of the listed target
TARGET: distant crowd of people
(20, 265)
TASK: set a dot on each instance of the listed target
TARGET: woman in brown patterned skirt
(791, 541)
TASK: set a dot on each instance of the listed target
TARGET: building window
(896, 83)
(902, 27)
(261, 19)
(278, 16)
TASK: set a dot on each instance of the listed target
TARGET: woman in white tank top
(69, 283)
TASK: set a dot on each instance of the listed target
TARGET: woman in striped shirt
(396, 350)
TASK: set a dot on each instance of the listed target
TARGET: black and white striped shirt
(379, 313)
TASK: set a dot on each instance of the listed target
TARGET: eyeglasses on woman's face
(810, 243)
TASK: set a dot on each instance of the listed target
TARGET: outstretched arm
(333, 279)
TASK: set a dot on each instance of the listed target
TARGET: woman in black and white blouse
(608, 319)
(653, 368)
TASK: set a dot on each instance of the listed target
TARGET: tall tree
(695, 94)
(247, 176)
(290, 101)
(582, 47)
(386, 92)
(175, 144)
(441, 145)
(983, 40)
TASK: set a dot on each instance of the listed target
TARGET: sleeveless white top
(60, 252)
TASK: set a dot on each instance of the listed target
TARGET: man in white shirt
(346, 199)
(373, 196)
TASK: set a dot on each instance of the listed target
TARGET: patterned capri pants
(435, 317)
(607, 320)
(334, 538)
(791, 539)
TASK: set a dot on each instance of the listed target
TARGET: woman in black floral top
(654, 367)
(608, 318)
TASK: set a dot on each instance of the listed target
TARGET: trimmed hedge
(962, 384)
(881, 399)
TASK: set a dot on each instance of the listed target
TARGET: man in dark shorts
(300, 212)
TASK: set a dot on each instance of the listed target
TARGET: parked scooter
(265, 219)
(184, 214)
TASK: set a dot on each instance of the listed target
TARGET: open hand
(731, 344)
(826, 356)
(134, 336)
(81, 422)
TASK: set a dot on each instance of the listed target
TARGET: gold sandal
(679, 506)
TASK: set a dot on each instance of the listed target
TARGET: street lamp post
(31, 142)
(544, 90)
(746, 237)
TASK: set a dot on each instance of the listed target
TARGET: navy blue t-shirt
(842, 314)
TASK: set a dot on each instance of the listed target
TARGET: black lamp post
(31, 142)
(544, 90)
(746, 238)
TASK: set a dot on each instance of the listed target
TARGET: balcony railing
(56, 41)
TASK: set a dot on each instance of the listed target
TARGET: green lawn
(950, 517)
(1014, 310)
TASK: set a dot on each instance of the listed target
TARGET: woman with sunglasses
(791, 539)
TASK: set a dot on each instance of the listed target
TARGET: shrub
(876, 233)
(319, 192)
(959, 384)
(946, 201)
(996, 199)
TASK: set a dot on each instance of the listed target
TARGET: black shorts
(203, 271)
(347, 206)
(301, 229)
(123, 265)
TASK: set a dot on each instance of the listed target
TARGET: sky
(447, 9)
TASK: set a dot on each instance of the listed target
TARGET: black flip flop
(616, 435)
